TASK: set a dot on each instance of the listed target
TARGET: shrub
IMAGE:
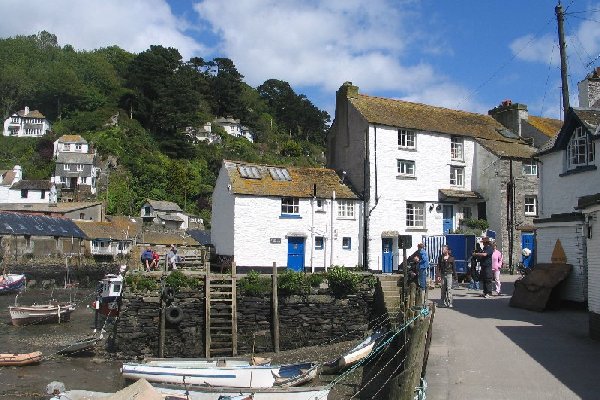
(480, 224)
(178, 279)
(315, 280)
(341, 281)
(291, 282)
(255, 284)
(140, 283)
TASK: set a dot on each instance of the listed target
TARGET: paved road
(484, 349)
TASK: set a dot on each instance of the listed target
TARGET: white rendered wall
(593, 257)
(33, 196)
(222, 228)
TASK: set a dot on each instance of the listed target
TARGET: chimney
(510, 115)
(18, 174)
(26, 111)
(589, 90)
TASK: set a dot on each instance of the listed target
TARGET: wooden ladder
(221, 314)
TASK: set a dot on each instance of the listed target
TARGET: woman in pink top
(496, 267)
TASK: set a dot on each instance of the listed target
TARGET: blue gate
(296, 253)
(462, 247)
(388, 255)
(448, 212)
(528, 241)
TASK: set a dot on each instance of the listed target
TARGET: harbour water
(29, 382)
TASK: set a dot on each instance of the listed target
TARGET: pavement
(484, 349)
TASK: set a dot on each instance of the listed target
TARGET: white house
(302, 218)
(26, 123)
(165, 213)
(15, 190)
(590, 207)
(70, 144)
(234, 128)
(569, 172)
(202, 134)
(422, 169)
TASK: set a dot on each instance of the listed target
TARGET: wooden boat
(11, 283)
(356, 354)
(207, 362)
(251, 376)
(81, 347)
(41, 313)
(109, 291)
(7, 360)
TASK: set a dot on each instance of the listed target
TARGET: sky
(466, 54)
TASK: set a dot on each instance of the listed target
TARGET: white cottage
(26, 123)
(422, 170)
(568, 173)
(70, 144)
(15, 190)
(302, 218)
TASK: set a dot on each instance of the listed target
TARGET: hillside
(154, 96)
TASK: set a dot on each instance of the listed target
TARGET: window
(84, 180)
(79, 167)
(78, 146)
(24, 193)
(66, 167)
(320, 205)
(43, 194)
(415, 216)
(346, 243)
(406, 139)
(406, 167)
(457, 176)
(319, 241)
(63, 179)
(456, 148)
(67, 147)
(530, 168)
(290, 205)
(530, 205)
(467, 212)
(81, 215)
(147, 211)
(580, 150)
(345, 209)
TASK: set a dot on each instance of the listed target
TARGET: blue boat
(11, 283)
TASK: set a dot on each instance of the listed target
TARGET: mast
(560, 17)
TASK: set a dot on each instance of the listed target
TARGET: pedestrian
(172, 258)
(446, 268)
(485, 259)
(146, 258)
(423, 261)
(496, 267)
(155, 260)
(474, 269)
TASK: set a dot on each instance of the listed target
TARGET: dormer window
(580, 150)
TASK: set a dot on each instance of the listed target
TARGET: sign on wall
(275, 240)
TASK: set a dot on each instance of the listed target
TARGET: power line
(547, 80)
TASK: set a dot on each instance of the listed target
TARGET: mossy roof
(547, 126)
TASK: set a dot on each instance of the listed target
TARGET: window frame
(414, 210)
(290, 206)
(406, 164)
(530, 168)
(346, 243)
(457, 143)
(345, 209)
(24, 193)
(66, 167)
(533, 204)
(319, 242)
(407, 139)
(457, 177)
(581, 147)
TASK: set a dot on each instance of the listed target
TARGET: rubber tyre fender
(169, 293)
(174, 315)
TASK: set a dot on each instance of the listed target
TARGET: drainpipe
(331, 234)
(312, 228)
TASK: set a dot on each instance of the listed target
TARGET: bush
(480, 224)
(292, 282)
(140, 283)
(178, 279)
(342, 282)
(315, 280)
(255, 284)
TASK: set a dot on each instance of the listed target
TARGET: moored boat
(11, 283)
(80, 347)
(41, 313)
(109, 291)
(354, 355)
(16, 359)
(251, 376)
(206, 362)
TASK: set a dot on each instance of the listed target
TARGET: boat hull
(12, 283)
(81, 347)
(41, 314)
(15, 360)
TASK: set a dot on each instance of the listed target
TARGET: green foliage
(480, 224)
(370, 281)
(178, 280)
(34, 155)
(292, 282)
(141, 283)
(342, 281)
(255, 284)
(315, 280)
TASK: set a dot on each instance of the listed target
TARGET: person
(446, 268)
(423, 261)
(496, 267)
(155, 260)
(172, 258)
(474, 269)
(146, 258)
(485, 259)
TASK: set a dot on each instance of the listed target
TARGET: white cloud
(536, 49)
(88, 24)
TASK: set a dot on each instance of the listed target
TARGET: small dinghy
(41, 313)
(17, 360)
(356, 354)
(81, 347)
(11, 283)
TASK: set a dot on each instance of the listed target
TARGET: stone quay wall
(52, 272)
(309, 320)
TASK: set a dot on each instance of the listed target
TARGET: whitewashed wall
(33, 196)
(572, 238)
(593, 257)
(432, 170)
(258, 219)
(221, 231)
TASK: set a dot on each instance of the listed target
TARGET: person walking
(474, 269)
(423, 261)
(446, 270)
(496, 267)
(485, 259)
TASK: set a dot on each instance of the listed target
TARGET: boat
(207, 362)
(354, 355)
(41, 313)
(109, 291)
(11, 283)
(81, 347)
(15, 360)
(248, 376)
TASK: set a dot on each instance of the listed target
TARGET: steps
(391, 296)
(221, 316)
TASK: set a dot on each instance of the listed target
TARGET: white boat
(207, 362)
(109, 291)
(220, 393)
(251, 376)
(11, 283)
(41, 313)
(354, 355)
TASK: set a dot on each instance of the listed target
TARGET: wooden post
(161, 343)
(207, 314)
(275, 311)
(234, 341)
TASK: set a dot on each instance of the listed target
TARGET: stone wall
(52, 272)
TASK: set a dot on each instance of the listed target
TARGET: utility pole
(560, 17)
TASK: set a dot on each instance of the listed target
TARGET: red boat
(15, 360)
(109, 292)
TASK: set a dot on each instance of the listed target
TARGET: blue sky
(468, 54)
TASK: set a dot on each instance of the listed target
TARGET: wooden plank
(234, 337)
(207, 317)
(275, 311)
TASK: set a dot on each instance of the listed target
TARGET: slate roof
(103, 230)
(588, 201)
(71, 139)
(199, 235)
(459, 194)
(301, 185)
(74, 158)
(547, 126)
(8, 177)
(587, 117)
(32, 185)
(128, 224)
(47, 208)
(164, 205)
(167, 217)
(422, 117)
(31, 114)
(166, 239)
(38, 225)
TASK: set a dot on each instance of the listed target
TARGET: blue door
(296, 253)
(462, 247)
(448, 218)
(527, 241)
(388, 255)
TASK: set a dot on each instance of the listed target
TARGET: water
(29, 382)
